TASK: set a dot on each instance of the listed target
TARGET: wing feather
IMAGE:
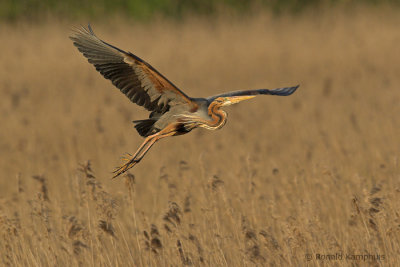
(139, 81)
(285, 91)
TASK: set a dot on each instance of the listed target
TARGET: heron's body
(204, 112)
(172, 111)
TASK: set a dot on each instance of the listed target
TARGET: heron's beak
(236, 99)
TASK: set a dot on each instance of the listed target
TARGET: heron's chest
(202, 114)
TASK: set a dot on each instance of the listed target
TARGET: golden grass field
(289, 181)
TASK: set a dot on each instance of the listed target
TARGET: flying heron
(172, 111)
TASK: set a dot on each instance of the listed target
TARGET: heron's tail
(145, 127)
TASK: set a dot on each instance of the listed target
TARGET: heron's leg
(131, 161)
(145, 142)
(144, 148)
(150, 144)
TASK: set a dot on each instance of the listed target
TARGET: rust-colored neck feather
(218, 117)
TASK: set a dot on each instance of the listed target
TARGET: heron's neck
(218, 118)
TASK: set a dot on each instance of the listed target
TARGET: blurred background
(314, 172)
(34, 10)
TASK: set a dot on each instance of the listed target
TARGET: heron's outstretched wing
(139, 81)
(278, 91)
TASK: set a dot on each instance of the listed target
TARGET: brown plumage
(172, 111)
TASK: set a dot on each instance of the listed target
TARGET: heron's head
(230, 100)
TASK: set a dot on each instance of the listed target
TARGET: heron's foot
(123, 168)
(127, 157)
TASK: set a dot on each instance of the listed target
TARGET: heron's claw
(126, 157)
(123, 168)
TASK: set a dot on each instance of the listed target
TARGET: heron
(172, 112)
